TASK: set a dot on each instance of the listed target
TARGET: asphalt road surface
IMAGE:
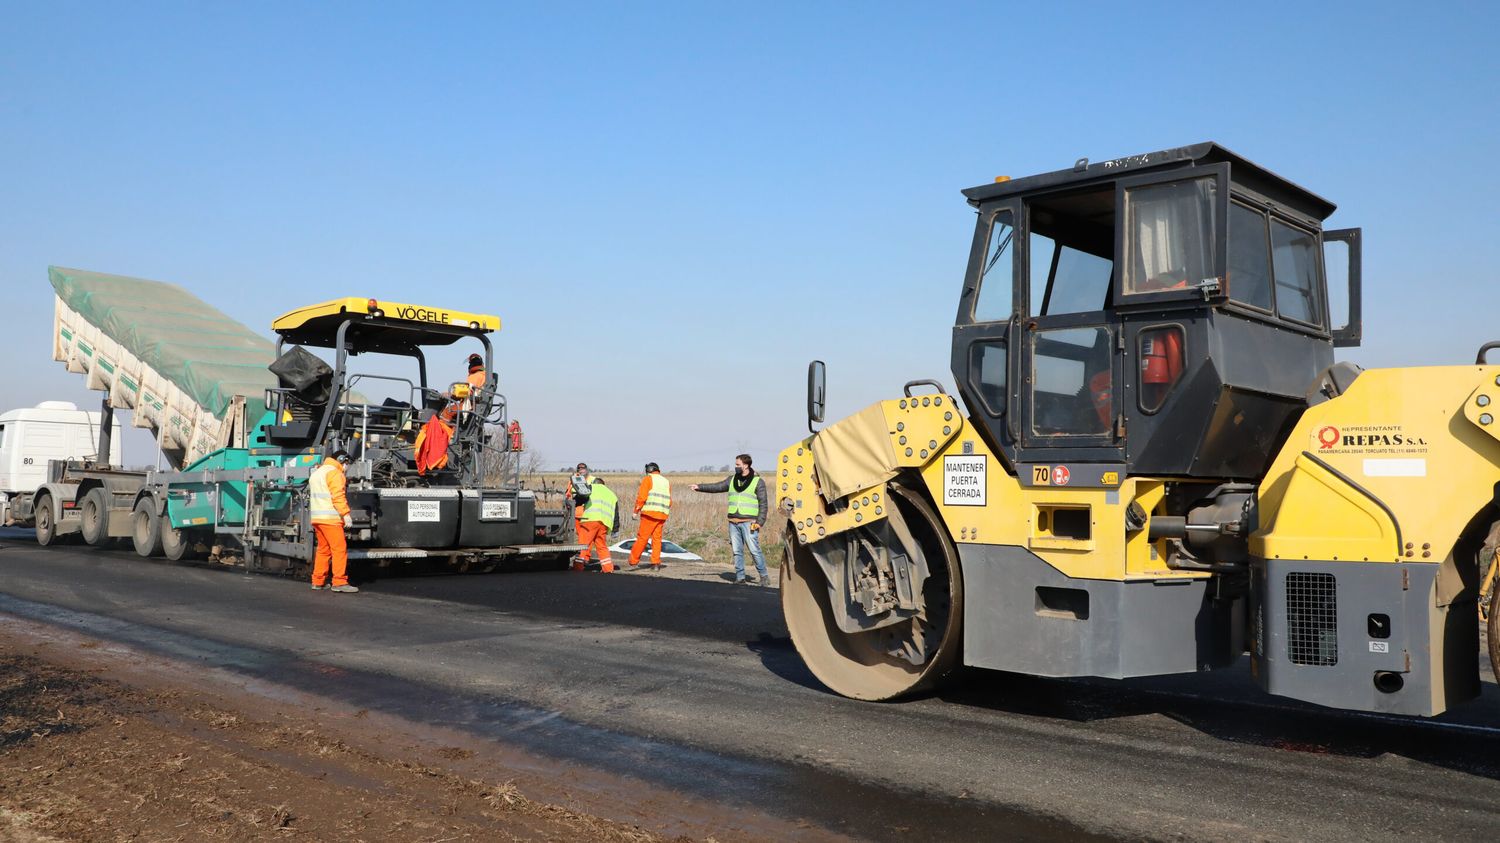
(694, 686)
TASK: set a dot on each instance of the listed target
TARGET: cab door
(1068, 373)
(983, 332)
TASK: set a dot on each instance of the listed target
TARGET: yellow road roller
(1153, 463)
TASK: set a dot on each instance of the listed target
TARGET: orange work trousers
(578, 524)
(592, 534)
(650, 530)
(331, 551)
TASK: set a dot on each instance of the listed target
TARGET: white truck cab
(32, 436)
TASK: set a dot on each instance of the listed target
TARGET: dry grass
(699, 520)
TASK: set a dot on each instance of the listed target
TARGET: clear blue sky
(674, 206)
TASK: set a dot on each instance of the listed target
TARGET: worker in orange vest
(653, 503)
(599, 519)
(329, 508)
(478, 377)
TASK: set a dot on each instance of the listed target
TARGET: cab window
(1249, 258)
(1072, 379)
(1071, 241)
(1169, 235)
(1294, 263)
(996, 276)
(987, 371)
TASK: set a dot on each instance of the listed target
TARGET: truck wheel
(94, 512)
(868, 665)
(145, 528)
(46, 521)
(176, 544)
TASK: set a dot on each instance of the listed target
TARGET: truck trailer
(243, 421)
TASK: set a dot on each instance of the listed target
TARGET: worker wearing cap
(576, 498)
(477, 375)
(747, 515)
(329, 507)
(598, 520)
(653, 503)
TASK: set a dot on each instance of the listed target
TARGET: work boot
(579, 563)
(317, 587)
(345, 589)
(657, 566)
(740, 581)
(765, 581)
(606, 567)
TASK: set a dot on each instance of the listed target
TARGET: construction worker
(329, 508)
(747, 515)
(577, 496)
(653, 503)
(478, 377)
(598, 520)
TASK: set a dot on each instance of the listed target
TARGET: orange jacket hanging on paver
(432, 445)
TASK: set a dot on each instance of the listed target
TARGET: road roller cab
(1166, 312)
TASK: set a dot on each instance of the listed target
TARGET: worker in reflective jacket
(653, 503)
(329, 508)
(478, 377)
(599, 518)
(576, 498)
(747, 515)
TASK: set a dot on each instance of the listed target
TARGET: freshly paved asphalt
(695, 686)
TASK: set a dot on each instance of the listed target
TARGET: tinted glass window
(1169, 231)
(987, 375)
(1081, 283)
(1073, 391)
(997, 273)
(1294, 260)
(1249, 257)
(1336, 267)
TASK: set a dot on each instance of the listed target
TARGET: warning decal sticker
(422, 511)
(964, 481)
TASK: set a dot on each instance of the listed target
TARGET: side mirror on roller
(817, 375)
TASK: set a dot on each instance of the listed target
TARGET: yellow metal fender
(1411, 442)
(836, 479)
(1324, 516)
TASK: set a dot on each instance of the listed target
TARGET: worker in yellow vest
(329, 508)
(598, 520)
(747, 515)
(653, 503)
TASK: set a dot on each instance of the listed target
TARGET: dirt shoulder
(85, 757)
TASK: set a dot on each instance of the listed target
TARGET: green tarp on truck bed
(193, 344)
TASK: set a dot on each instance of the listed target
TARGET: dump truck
(1154, 463)
(241, 423)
